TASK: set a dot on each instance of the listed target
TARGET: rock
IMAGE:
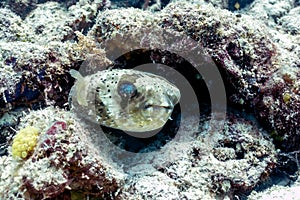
(270, 11)
(277, 193)
(32, 74)
(253, 64)
(64, 162)
(290, 23)
(231, 5)
(76, 158)
(36, 54)
(257, 58)
(24, 7)
(195, 169)
(155, 5)
(12, 28)
(53, 22)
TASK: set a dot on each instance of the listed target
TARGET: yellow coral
(25, 142)
(286, 98)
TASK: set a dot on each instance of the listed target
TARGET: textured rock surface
(75, 157)
(12, 27)
(270, 11)
(202, 168)
(154, 5)
(29, 71)
(244, 52)
(35, 64)
(290, 23)
(24, 7)
(256, 49)
(64, 163)
(277, 193)
(260, 73)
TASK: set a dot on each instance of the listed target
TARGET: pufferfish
(124, 99)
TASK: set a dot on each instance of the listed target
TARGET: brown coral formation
(241, 47)
(73, 160)
(64, 163)
(36, 54)
(209, 167)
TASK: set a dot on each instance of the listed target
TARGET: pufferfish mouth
(167, 107)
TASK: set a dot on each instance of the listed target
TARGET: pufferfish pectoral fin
(75, 74)
(79, 90)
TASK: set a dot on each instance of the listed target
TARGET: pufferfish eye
(127, 90)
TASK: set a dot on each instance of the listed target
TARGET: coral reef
(65, 156)
(32, 74)
(277, 193)
(77, 158)
(24, 7)
(12, 27)
(232, 5)
(246, 56)
(51, 22)
(270, 11)
(34, 61)
(154, 5)
(256, 49)
(202, 168)
(290, 23)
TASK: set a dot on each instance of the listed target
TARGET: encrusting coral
(25, 142)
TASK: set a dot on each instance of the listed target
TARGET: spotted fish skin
(124, 99)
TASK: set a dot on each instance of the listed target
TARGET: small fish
(237, 5)
(124, 99)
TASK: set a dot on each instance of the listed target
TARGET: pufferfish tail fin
(79, 90)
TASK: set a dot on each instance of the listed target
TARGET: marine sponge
(25, 142)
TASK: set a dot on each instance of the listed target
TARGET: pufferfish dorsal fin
(80, 89)
(94, 63)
